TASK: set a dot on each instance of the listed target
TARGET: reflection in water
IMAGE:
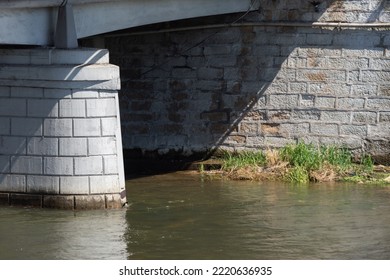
(184, 217)
(172, 218)
(53, 234)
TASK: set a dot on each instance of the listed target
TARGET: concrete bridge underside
(33, 22)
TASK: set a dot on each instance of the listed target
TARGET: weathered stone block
(4, 199)
(26, 200)
(113, 201)
(43, 184)
(324, 129)
(350, 103)
(26, 126)
(86, 202)
(59, 202)
(12, 183)
(355, 130)
(364, 117)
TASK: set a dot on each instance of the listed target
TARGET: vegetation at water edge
(302, 163)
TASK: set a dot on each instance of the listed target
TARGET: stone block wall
(60, 141)
(268, 80)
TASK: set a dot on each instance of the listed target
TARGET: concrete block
(42, 108)
(102, 146)
(105, 107)
(92, 165)
(108, 93)
(5, 126)
(57, 93)
(74, 185)
(79, 56)
(26, 126)
(42, 146)
(26, 165)
(110, 164)
(26, 200)
(64, 202)
(87, 127)
(5, 164)
(324, 129)
(86, 202)
(12, 183)
(12, 145)
(58, 73)
(109, 126)
(104, 184)
(57, 127)
(72, 108)
(5, 91)
(43, 184)
(73, 147)
(13, 107)
(58, 166)
(29, 92)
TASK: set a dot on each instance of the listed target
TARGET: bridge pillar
(60, 138)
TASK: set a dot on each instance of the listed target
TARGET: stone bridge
(60, 136)
(262, 74)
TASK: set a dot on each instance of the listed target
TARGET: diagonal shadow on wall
(268, 80)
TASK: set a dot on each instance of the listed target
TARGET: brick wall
(262, 83)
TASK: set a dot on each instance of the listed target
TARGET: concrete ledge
(48, 56)
(65, 202)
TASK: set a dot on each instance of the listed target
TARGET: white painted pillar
(60, 138)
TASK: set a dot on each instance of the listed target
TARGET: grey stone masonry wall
(266, 81)
(60, 140)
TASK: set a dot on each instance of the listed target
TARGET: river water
(183, 216)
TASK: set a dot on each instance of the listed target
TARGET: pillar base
(60, 138)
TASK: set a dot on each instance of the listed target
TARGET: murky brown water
(178, 216)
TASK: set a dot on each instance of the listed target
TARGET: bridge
(60, 136)
(34, 22)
